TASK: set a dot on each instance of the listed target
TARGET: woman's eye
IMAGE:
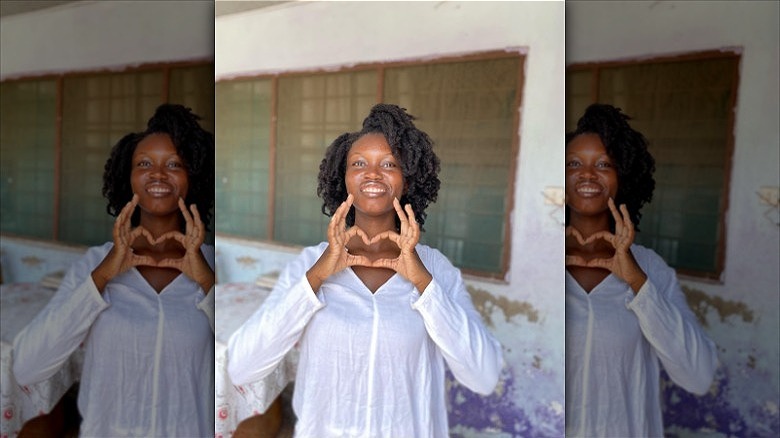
(388, 165)
(174, 165)
(143, 163)
(358, 164)
(604, 164)
(573, 163)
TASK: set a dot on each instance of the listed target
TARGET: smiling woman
(142, 305)
(375, 314)
(626, 316)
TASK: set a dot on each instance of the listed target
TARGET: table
(235, 303)
(19, 303)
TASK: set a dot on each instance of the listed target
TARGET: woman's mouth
(373, 189)
(589, 190)
(159, 190)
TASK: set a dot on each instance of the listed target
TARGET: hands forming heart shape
(622, 263)
(122, 256)
(337, 257)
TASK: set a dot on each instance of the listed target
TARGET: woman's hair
(627, 149)
(410, 146)
(194, 145)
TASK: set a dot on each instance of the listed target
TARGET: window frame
(164, 68)
(380, 68)
(733, 53)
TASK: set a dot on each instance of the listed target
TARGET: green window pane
(313, 111)
(243, 131)
(468, 108)
(27, 145)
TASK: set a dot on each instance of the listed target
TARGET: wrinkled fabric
(370, 364)
(615, 344)
(149, 357)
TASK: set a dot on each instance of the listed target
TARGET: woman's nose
(159, 172)
(372, 172)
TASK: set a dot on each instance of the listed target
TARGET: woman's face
(373, 175)
(159, 176)
(591, 177)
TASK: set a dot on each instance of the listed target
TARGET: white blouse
(615, 344)
(149, 357)
(370, 364)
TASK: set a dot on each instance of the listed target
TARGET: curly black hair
(411, 147)
(194, 145)
(628, 150)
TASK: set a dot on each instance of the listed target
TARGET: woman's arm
(47, 342)
(667, 323)
(257, 347)
(472, 353)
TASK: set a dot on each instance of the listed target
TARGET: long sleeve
(206, 305)
(45, 344)
(258, 346)
(667, 323)
(472, 353)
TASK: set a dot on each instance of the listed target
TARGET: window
(56, 170)
(684, 106)
(469, 107)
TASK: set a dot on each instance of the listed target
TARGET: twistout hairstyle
(194, 145)
(411, 147)
(628, 150)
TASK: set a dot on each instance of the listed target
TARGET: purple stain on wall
(497, 412)
(714, 411)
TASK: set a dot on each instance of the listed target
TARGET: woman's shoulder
(649, 260)
(432, 258)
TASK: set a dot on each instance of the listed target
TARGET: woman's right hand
(121, 257)
(336, 257)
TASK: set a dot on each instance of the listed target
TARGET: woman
(375, 313)
(625, 310)
(141, 304)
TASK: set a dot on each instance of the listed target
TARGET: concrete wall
(740, 312)
(526, 311)
(103, 35)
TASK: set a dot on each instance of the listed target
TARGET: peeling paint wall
(525, 312)
(740, 312)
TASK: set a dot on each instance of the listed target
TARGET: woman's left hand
(622, 263)
(193, 264)
(408, 263)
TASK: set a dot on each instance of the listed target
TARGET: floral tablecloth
(235, 303)
(19, 303)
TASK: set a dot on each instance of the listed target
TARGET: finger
(128, 209)
(576, 261)
(600, 263)
(171, 263)
(390, 235)
(385, 263)
(604, 235)
(358, 260)
(626, 218)
(573, 232)
(187, 216)
(615, 215)
(138, 232)
(412, 218)
(401, 214)
(357, 231)
(199, 231)
(175, 235)
(136, 260)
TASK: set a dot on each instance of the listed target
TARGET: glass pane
(684, 110)
(98, 110)
(243, 122)
(193, 87)
(27, 145)
(468, 108)
(313, 111)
